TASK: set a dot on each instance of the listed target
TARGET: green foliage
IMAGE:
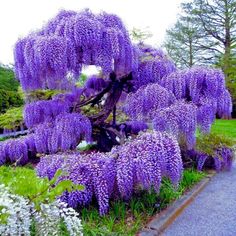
(24, 182)
(9, 99)
(126, 218)
(9, 96)
(41, 94)
(211, 142)
(7, 79)
(82, 80)
(231, 85)
(11, 119)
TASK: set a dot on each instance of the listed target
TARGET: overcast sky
(19, 17)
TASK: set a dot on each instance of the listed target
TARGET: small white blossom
(17, 215)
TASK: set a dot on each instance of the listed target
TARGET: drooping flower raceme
(142, 104)
(14, 151)
(153, 65)
(46, 110)
(63, 134)
(221, 159)
(140, 163)
(180, 119)
(44, 59)
(96, 172)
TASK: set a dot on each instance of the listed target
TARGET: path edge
(159, 223)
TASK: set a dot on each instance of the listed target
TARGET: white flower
(17, 210)
(17, 215)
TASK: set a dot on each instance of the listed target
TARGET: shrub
(7, 79)
(12, 119)
(213, 151)
(28, 202)
(9, 99)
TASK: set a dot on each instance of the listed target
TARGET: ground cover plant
(136, 79)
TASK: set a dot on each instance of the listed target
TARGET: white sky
(19, 17)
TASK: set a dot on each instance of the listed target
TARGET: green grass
(127, 218)
(226, 127)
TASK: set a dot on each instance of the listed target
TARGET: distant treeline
(9, 95)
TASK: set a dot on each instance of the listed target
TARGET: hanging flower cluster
(140, 163)
(14, 151)
(63, 134)
(53, 57)
(47, 110)
(146, 100)
(180, 120)
(153, 65)
(176, 83)
(202, 86)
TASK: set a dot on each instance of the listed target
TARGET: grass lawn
(226, 127)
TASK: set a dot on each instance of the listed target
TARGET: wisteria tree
(139, 80)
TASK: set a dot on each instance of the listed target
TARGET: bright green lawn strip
(128, 218)
(226, 127)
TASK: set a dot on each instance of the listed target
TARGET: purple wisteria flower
(153, 65)
(140, 163)
(145, 101)
(69, 41)
(14, 151)
(179, 119)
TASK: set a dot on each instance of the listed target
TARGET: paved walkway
(213, 212)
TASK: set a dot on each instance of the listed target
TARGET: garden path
(213, 212)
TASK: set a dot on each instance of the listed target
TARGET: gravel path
(213, 212)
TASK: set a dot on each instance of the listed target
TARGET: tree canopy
(138, 79)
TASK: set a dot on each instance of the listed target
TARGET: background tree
(7, 79)
(181, 42)
(9, 95)
(218, 20)
(205, 33)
